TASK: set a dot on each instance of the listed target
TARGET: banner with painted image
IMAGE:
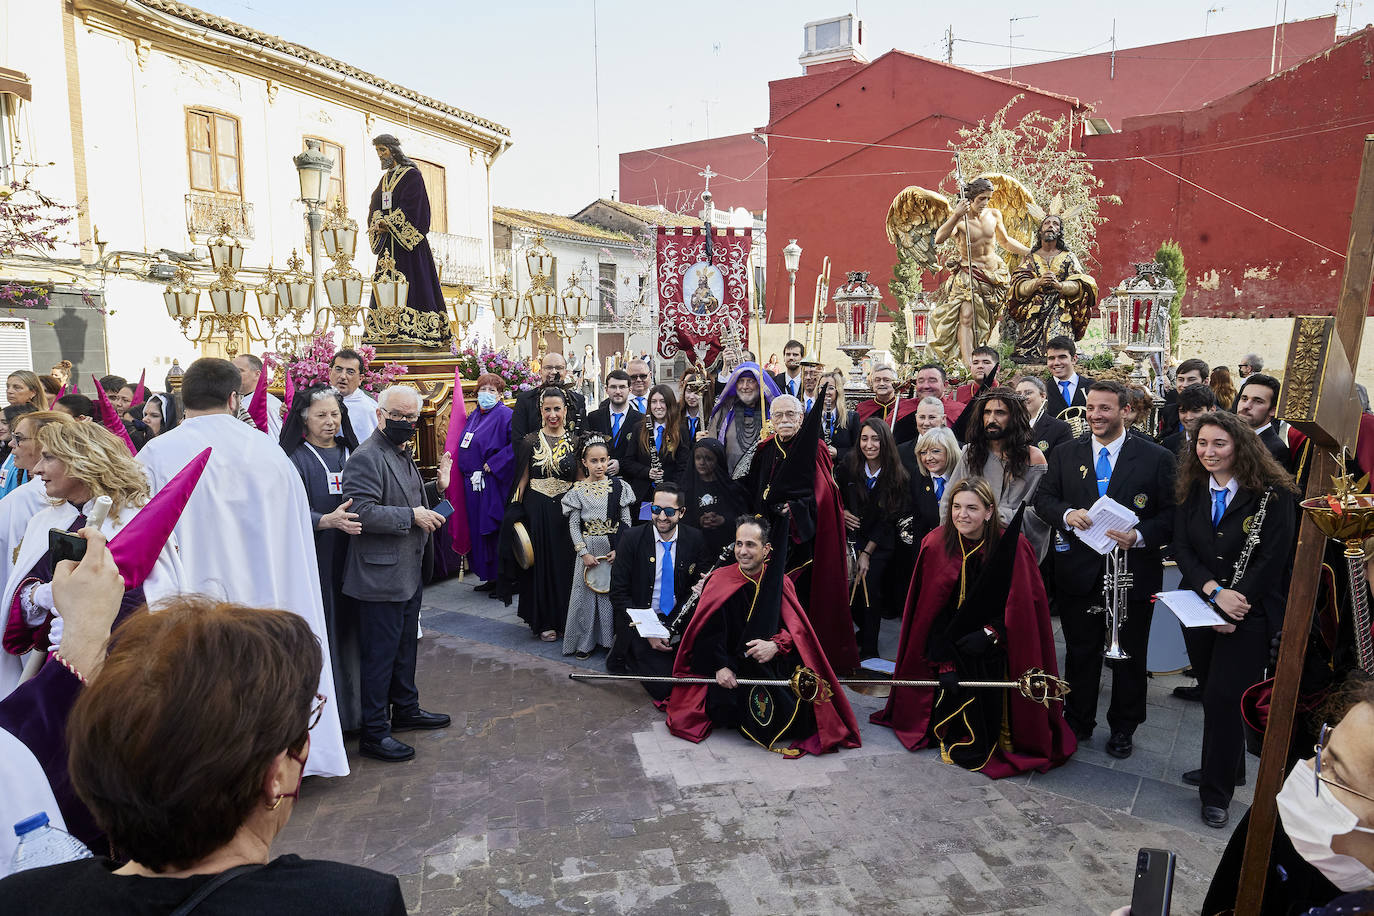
(701, 301)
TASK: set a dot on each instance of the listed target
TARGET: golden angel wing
(916, 213)
(1020, 214)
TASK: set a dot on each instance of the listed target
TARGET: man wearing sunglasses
(640, 380)
(655, 566)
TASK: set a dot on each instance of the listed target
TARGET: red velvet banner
(698, 301)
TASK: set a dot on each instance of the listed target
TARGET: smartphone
(65, 545)
(1154, 882)
(445, 508)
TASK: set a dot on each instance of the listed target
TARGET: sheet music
(647, 623)
(1190, 609)
(1107, 515)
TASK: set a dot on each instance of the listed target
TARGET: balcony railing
(461, 259)
(204, 212)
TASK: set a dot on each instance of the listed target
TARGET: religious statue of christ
(1050, 294)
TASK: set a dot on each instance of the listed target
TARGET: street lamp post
(791, 259)
(312, 170)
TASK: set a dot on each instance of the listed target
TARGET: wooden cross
(1319, 398)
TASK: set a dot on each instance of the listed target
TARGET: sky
(580, 81)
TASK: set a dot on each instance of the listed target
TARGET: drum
(524, 547)
(598, 577)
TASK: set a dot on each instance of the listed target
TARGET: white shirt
(1261, 430)
(1232, 487)
(788, 380)
(1073, 381)
(658, 561)
(362, 413)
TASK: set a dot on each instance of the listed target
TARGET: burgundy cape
(905, 405)
(1040, 738)
(835, 723)
(829, 599)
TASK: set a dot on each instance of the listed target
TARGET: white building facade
(162, 119)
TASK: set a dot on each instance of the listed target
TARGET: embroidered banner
(701, 305)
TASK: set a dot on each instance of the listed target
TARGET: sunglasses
(669, 511)
(639, 375)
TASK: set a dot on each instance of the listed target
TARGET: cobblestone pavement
(549, 796)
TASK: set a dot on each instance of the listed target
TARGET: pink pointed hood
(257, 408)
(290, 388)
(109, 417)
(61, 393)
(137, 545)
(456, 494)
(140, 391)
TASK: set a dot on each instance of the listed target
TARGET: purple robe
(416, 262)
(490, 445)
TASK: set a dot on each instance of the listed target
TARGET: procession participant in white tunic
(346, 376)
(246, 536)
(250, 371)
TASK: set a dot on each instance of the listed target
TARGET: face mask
(399, 431)
(486, 400)
(1313, 821)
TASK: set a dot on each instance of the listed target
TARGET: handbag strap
(209, 887)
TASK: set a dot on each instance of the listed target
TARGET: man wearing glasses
(525, 418)
(655, 567)
(1250, 363)
(640, 380)
(385, 572)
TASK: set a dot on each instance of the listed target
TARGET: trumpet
(1115, 585)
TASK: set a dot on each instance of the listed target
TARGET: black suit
(1142, 481)
(1277, 446)
(633, 574)
(878, 523)
(599, 421)
(638, 462)
(1168, 419)
(1228, 663)
(1175, 441)
(525, 417)
(1050, 431)
(1054, 398)
(781, 379)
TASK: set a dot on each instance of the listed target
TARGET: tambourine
(524, 547)
(598, 577)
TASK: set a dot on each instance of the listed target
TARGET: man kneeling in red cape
(748, 624)
(977, 611)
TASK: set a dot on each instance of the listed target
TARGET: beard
(994, 432)
(751, 399)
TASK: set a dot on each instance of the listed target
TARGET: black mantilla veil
(986, 602)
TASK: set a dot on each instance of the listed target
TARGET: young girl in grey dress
(598, 509)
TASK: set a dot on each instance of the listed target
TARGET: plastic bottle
(42, 844)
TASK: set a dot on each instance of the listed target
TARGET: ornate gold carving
(552, 487)
(599, 526)
(1305, 362)
(406, 325)
(273, 87)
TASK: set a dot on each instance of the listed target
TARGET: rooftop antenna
(1010, 38)
(1207, 22)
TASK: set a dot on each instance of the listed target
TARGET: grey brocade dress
(595, 526)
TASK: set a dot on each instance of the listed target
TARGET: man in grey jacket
(385, 572)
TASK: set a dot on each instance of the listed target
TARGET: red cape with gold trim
(1040, 738)
(835, 723)
(828, 602)
(905, 405)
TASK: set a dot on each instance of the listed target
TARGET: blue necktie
(809, 402)
(692, 428)
(665, 581)
(1104, 471)
(792, 387)
(871, 481)
(658, 438)
(939, 488)
(1064, 391)
(615, 426)
(1218, 506)
(639, 404)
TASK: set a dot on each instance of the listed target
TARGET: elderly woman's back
(188, 748)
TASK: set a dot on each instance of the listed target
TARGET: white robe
(362, 413)
(273, 413)
(246, 537)
(19, 505)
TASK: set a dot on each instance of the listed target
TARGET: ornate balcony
(203, 213)
(461, 259)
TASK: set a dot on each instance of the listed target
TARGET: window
(437, 189)
(336, 177)
(606, 290)
(212, 140)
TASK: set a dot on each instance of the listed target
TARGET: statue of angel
(994, 210)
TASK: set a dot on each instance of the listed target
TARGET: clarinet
(1252, 539)
(678, 624)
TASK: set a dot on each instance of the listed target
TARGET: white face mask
(1312, 821)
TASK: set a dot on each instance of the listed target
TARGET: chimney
(833, 44)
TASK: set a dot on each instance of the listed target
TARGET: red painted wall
(1287, 148)
(833, 197)
(1177, 75)
(667, 175)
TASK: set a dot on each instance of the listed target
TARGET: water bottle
(41, 844)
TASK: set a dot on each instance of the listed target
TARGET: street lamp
(856, 310)
(343, 284)
(791, 259)
(312, 170)
(538, 311)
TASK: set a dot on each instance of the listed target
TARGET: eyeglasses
(669, 511)
(1243, 366)
(636, 375)
(316, 711)
(1317, 768)
(407, 417)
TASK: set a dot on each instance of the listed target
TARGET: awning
(12, 82)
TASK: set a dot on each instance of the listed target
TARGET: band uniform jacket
(877, 522)
(387, 561)
(637, 462)
(1054, 400)
(1050, 431)
(599, 421)
(1203, 552)
(636, 567)
(1142, 481)
(923, 506)
(525, 417)
(1277, 447)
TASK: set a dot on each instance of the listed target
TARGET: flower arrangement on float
(311, 366)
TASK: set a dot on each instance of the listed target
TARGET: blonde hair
(941, 437)
(837, 380)
(99, 459)
(31, 382)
